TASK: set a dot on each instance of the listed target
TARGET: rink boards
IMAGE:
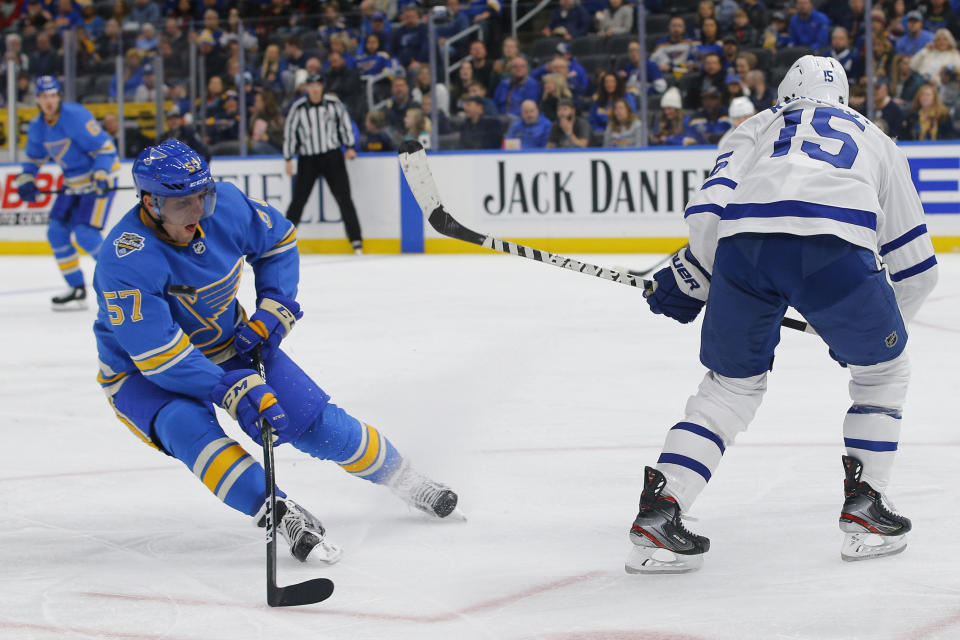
(591, 201)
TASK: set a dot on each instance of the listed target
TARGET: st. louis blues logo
(155, 154)
(127, 243)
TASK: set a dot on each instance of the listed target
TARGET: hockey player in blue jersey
(809, 205)
(173, 341)
(67, 133)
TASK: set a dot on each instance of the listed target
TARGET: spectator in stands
(724, 11)
(380, 26)
(92, 22)
(482, 67)
(410, 44)
(269, 73)
(121, 11)
(373, 60)
(612, 88)
(340, 42)
(565, 64)
(44, 60)
(416, 126)
(35, 16)
(777, 36)
(398, 103)
(757, 12)
(843, 52)
(442, 123)
(26, 97)
(211, 24)
(916, 37)
(740, 111)
(809, 28)
(183, 14)
(711, 122)
(675, 53)
(146, 92)
(478, 131)
(735, 87)
(616, 19)
(938, 16)
(519, 86)
(928, 118)
(744, 64)
(265, 125)
(424, 86)
(132, 75)
(109, 44)
(731, 50)
(375, 137)
(207, 49)
(334, 24)
(904, 81)
(147, 40)
(712, 75)
(215, 91)
(941, 52)
(709, 41)
(143, 12)
(555, 89)
(886, 108)
(530, 131)
(568, 20)
(345, 83)
(743, 31)
(133, 140)
(624, 128)
(630, 72)
(486, 14)
(673, 128)
(176, 35)
(949, 88)
(705, 9)
(368, 11)
(510, 50)
(455, 22)
(883, 50)
(293, 51)
(761, 95)
(479, 90)
(460, 85)
(850, 15)
(569, 130)
(226, 125)
(237, 31)
(185, 133)
(14, 53)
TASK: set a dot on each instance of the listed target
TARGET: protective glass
(185, 210)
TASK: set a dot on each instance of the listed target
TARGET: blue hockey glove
(249, 400)
(26, 188)
(267, 326)
(680, 289)
(101, 182)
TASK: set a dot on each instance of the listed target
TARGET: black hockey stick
(639, 273)
(413, 161)
(311, 591)
(57, 192)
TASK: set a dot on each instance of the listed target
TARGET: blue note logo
(127, 243)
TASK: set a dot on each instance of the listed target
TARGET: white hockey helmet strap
(815, 77)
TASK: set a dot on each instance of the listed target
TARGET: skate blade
(866, 546)
(649, 560)
(325, 552)
(75, 305)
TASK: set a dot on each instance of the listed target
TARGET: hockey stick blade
(309, 592)
(57, 192)
(413, 162)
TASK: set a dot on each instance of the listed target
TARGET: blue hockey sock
(357, 447)
(88, 238)
(189, 431)
(58, 235)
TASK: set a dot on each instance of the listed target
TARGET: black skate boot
(661, 543)
(302, 531)
(73, 299)
(423, 493)
(871, 529)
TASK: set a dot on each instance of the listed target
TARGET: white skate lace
(416, 489)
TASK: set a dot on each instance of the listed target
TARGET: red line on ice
(97, 633)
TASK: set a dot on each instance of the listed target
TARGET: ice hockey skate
(870, 527)
(73, 299)
(302, 531)
(661, 543)
(422, 493)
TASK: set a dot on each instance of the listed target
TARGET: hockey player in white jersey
(809, 205)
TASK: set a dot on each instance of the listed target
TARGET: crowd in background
(571, 77)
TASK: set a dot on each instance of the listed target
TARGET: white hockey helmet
(815, 77)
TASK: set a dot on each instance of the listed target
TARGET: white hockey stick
(413, 161)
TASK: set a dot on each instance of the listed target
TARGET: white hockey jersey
(808, 167)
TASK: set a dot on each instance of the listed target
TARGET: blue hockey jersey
(75, 142)
(177, 341)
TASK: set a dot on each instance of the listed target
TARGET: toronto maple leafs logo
(127, 243)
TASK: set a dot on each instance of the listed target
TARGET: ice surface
(536, 393)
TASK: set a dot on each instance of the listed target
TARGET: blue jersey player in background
(68, 134)
(173, 341)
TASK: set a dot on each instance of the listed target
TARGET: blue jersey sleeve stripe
(800, 209)
(704, 208)
(701, 431)
(684, 461)
(914, 270)
(724, 155)
(719, 182)
(870, 445)
(914, 233)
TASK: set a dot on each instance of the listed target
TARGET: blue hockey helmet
(179, 181)
(48, 83)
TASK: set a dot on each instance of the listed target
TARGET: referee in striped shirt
(316, 127)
